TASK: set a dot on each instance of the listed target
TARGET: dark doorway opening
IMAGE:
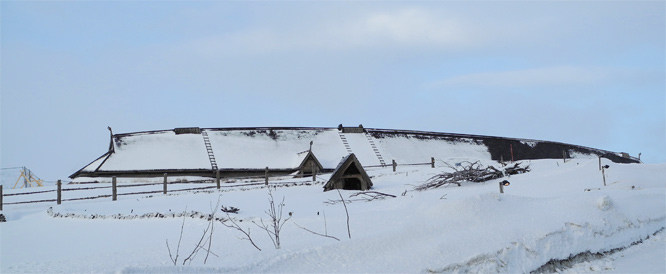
(352, 184)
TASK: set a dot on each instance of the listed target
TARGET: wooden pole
(217, 178)
(564, 155)
(266, 175)
(511, 146)
(0, 197)
(164, 191)
(314, 172)
(114, 191)
(59, 198)
(603, 174)
(432, 162)
(501, 187)
(394, 165)
(599, 162)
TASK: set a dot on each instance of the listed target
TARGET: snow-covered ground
(552, 213)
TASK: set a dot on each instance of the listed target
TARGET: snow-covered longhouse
(237, 152)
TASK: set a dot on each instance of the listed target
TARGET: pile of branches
(470, 172)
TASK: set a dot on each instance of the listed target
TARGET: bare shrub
(204, 243)
(274, 212)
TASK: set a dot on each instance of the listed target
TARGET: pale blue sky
(589, 73)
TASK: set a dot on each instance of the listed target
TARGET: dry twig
(315, 233)
(235, 225)
(346, 212)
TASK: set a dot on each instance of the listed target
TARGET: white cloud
(536, 77)
(400, 28)
(412, 27)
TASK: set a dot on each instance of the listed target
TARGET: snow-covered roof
(285, 149)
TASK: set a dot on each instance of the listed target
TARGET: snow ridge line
(571, 240)
(559, 265)
(158, 215)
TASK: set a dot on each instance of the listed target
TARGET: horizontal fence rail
(252, 181)
(155, 190)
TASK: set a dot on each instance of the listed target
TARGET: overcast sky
(589, 73)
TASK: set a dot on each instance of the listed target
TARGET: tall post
(511, 147)
(432, 162)
(564, 155)
(217, 178)
(314, 172)
(599, 162)
(0, 197)
(114, 189)
(164, 191)
(266, 175)
(394, 165)
(59, 198)
(603, 174)
(501, 187)
(25, 177)
(502, 159)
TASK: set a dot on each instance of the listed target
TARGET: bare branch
(371, 195)
(206, 237)
(362, 196)
(171, 257)
(315, 233)
(180, 238)
(235, 225)
(197, 247)
(347, 212)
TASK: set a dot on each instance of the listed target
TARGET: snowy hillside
(554, 212)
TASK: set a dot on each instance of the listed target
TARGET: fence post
(0, 197)
(599, 162)
(164, 191)
(59, 198)
(564, 156)
(114, 191)
(217, 178)
(314, 173)
(501, 187)
(394, 165)
(266, 175)
(432, 162)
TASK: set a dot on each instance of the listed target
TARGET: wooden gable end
(310, 165)
(349, 175)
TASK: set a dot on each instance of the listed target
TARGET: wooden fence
(113, 190)
(259, 181)
(394, 164)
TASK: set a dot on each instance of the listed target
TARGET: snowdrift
(554, 212)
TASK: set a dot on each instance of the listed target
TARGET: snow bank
(544, 215)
